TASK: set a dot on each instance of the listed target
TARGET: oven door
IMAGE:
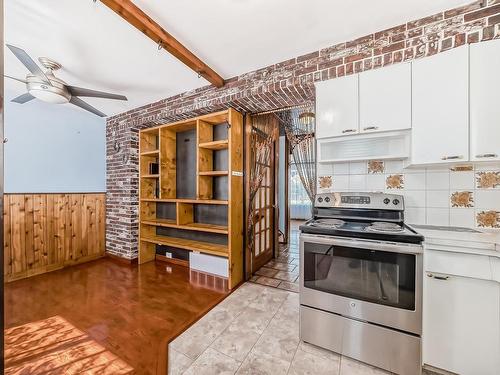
(373, 281)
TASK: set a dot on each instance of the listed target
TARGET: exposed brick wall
(283, 84)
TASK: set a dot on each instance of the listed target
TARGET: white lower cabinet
(461, 319)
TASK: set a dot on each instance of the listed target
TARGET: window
(300, 204)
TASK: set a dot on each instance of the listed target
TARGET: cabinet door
(337, 107)
(440, 132)
(484, 101)
(385, 98)
(461, 325)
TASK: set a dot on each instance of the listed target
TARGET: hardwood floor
(132, 311)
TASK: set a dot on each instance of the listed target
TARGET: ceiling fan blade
(80, 103)
(15, 79)
(28, 62)
(21, 99)
(80, 91)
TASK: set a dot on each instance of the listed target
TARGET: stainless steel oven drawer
(385, 348)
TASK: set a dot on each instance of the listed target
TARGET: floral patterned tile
(325, 182)
(376, 166)
(394, 181)
(462, 199)
(488, 180)
(488, 219)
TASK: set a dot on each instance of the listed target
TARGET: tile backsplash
(465, 195)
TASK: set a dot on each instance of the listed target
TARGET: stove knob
(320, 199)
(327, 199)
(395, 202)
(387, 201)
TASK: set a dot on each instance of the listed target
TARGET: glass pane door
(381, 277)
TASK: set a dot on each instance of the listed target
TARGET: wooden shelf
(213, 173)
(215, 145)
(181, 243)
(192, 201)
(160, 222)
(150, 153)
(199, 227)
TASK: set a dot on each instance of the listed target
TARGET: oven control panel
(376, 201)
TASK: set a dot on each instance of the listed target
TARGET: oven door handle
(393, 247)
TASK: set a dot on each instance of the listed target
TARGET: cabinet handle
(348, 131)
(371, 128)
(443, 278)
(486, 156)
(452, 157)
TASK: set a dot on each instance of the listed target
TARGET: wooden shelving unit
(194, 201)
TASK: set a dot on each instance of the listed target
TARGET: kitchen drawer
(458, 264)
(209, 263)
(400, 353)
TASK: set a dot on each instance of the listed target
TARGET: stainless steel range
(361, 280)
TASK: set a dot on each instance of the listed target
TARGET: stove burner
(328, 223)
(384, 227)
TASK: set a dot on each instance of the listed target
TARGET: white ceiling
(99, 50)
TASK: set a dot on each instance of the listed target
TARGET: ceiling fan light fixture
(49, 96)
(55, 94)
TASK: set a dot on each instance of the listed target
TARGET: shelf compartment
(149, 188)
(215, 145)
(168, 168)
(213, 173)
(199, 227)
(181, 243)
(149, 140)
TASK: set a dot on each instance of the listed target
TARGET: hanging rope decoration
(264, 133)
(299, 127)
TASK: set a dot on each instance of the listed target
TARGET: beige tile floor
(255, 331)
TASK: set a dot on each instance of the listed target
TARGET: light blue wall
(53, 148)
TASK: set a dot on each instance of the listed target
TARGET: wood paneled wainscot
(45, 232)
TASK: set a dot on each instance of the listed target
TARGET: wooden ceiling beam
(141, 21)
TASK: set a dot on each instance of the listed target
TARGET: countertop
(482, 242)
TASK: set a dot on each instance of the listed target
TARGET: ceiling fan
(48, 88)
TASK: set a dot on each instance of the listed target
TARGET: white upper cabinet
(385, 99)
(337, 107)
(440, 131)
(485, 101)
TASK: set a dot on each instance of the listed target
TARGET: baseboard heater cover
(209, 264)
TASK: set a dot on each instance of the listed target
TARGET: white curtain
(300, 203)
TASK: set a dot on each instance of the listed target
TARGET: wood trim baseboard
(180, 262)
(120, 259)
